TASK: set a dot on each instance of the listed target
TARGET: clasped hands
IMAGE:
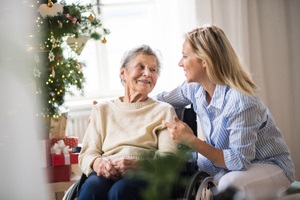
(113, 169)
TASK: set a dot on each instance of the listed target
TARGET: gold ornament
(91, 17)
(103, 40)
(50, 4)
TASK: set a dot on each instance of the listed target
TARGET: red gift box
(64, 159)
(58, 173)
(68, 140)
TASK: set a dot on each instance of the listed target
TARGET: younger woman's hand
(180, 132)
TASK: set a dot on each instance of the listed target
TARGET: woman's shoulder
(162, 105)
(189, 89)
(191, 86)
(104, 103)
(239, 96)
(240, 100)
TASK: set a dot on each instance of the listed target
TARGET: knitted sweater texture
(126, 130)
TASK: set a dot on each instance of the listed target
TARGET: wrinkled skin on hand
(113, 169)
(125, 164)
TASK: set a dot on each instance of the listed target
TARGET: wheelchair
(199, 185)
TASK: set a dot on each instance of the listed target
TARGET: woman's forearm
(213, 154)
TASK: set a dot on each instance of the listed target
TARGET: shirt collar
(219, 96)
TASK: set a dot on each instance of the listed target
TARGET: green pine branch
(56, 73)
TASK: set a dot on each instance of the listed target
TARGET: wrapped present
(59, 147)
(64, 159)
(70, 141)
(45, 146)
(58, 173)
(61, 154)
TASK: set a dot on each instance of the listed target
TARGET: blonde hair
(223, 66)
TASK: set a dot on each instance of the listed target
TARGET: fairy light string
(55, 69)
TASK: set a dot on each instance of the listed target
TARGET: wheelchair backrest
(188, 116)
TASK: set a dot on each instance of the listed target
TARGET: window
(158, 23)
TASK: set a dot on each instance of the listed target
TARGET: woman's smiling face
(194, 68)
(140, 76)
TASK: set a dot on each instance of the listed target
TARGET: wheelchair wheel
(206, 190)
(200, 187)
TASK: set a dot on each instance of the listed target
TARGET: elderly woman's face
(140, 76)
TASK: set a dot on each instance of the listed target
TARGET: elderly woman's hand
(104, 167)
(125, 164)
(180, 132)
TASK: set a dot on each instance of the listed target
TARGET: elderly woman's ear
(122, 72)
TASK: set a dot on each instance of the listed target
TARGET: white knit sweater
(131, 130)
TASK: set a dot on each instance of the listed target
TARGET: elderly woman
(124, 130)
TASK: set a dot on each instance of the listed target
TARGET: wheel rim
(206, 189)
(197, 178)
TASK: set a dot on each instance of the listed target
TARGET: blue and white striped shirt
(240, 125)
